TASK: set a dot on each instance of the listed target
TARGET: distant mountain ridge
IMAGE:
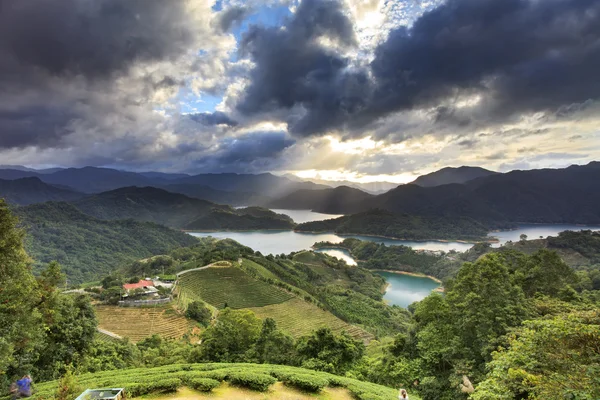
(450, 175)
(25, 191)
(251, 189)
(340, 200)
(568, 195)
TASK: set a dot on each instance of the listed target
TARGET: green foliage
(306, 383)
(197, 311)
(141, 381)
(325, 351)
(19, 317)
(230, 285)
(67, 387)
(556, 358)
(88, 247)
(254, 381)
(274, 346)
(203, 384)
(231, 337)
(403, 226)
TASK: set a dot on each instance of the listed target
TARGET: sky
(360, 90)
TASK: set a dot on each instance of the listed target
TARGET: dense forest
(88, 247)
(385, 223)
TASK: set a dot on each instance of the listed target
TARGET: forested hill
(88, 247)
(384, 223)
(340, 200)
(146, 204)
(177, 210)
(446, 176)
(569, 195)
(32, 190)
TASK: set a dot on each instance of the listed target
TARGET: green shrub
(161, 385)
(203, 384)
(254, 381)
(306, 383)
(218, 375)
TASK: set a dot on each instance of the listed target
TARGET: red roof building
(143, 284)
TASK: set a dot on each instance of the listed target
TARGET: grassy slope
(299, 317)
(137, 323)
(222, 372)
(233, 286)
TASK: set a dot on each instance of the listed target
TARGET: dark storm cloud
(214, 118)
(93, 38)
(255, 152)
(292, 69)
(231, 16)
(524, 55)
(60, 61)
(519, 56)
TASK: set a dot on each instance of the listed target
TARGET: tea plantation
(206, 377)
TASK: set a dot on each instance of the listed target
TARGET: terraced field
(299, 318)
(230, 285)
(137, 323)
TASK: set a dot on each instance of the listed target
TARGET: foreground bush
(203, 384)
(250, 380)
(161, 385)
(306, 383)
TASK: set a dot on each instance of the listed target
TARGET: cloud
(473, 61)
(296, 72)
(76, 73)
(214, 118)
(251, 153)
(232, 16)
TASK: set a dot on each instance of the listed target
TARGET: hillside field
(299, 318)
(137, 323)
(230, 285)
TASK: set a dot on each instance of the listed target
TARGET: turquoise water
(406, 289)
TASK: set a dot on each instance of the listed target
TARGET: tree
(231, 336)
(325, 351)
(556, 358)
(274, 346)
(197, 311)
(523, 237)
(20, 329)
(485, 303)
(68, 337)
(544, 272)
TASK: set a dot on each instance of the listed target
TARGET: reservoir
(406, 289)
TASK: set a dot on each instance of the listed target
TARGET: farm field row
(229, 285)
(137, 323)
(299, 318)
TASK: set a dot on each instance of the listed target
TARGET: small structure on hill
(142, 284)
(106, 394)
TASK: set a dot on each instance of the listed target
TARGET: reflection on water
(342, 254)
(301, 216)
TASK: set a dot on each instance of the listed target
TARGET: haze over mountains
(568, 195)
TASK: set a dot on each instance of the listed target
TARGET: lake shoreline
(415, 274)
(350, 235)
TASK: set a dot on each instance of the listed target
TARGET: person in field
(23, 388)
(403, 395)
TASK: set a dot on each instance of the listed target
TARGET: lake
(406, 289)
(534, 231)
(342, 254)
